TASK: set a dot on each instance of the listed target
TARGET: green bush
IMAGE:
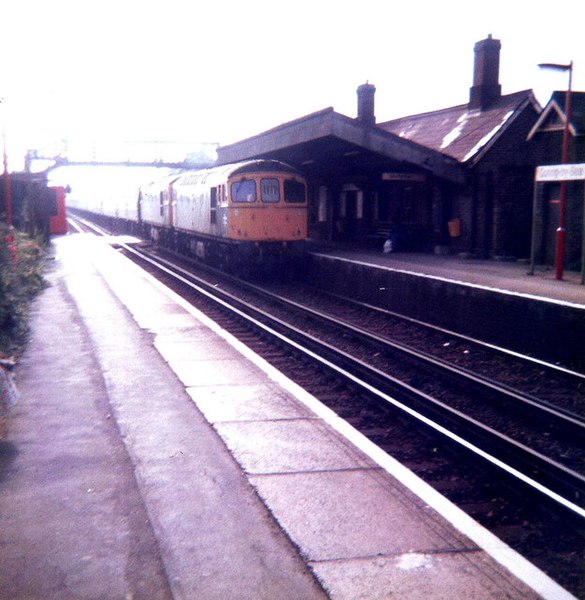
(21, 278)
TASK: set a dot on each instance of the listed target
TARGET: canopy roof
(327, 142)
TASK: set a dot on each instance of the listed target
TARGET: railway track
(512, 459)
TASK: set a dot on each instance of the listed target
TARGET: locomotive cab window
(270, 190)
(244, 191)
(294, 191)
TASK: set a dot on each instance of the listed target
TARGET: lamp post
(561, 231)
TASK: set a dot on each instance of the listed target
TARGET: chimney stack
(365, 94)
(486, 74)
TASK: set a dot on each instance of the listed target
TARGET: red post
(562, 230)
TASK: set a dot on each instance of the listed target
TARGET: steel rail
(246, 311)
(188, 279)
(461, 372)
(554, 368)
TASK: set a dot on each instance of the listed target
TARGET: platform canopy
(328, 143)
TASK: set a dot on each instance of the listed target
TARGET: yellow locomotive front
(266, 206)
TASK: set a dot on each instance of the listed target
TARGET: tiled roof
(458, 131)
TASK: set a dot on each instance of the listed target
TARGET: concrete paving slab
(246, 403)
(158, 314)
(353, 514)
(196, 334)
(289, 446)
(418, 576)
(214, 372)
(133, 297)
(156, 321)
(206, 347)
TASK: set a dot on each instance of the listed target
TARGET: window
(270, 190)
(213, 205)
(322, 204)
(244, 191)
(294, 191)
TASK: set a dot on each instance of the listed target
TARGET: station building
(456, 180)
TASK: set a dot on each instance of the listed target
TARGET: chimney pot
(365, 94)
(486, 73)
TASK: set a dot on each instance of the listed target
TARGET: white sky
(222, 70)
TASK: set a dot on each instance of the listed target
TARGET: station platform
(496, 302)
(151, 455)
(503, 276)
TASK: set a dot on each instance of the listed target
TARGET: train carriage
(107, 194)
(254, 212)
(237, 215)
(155, 210)
(240, 217)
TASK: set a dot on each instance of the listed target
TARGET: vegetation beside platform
(22, 262)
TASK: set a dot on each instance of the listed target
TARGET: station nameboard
(560, 172)
(404, 177)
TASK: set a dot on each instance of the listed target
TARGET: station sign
(572, 172)
(418, 177)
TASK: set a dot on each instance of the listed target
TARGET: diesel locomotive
(236, 216)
